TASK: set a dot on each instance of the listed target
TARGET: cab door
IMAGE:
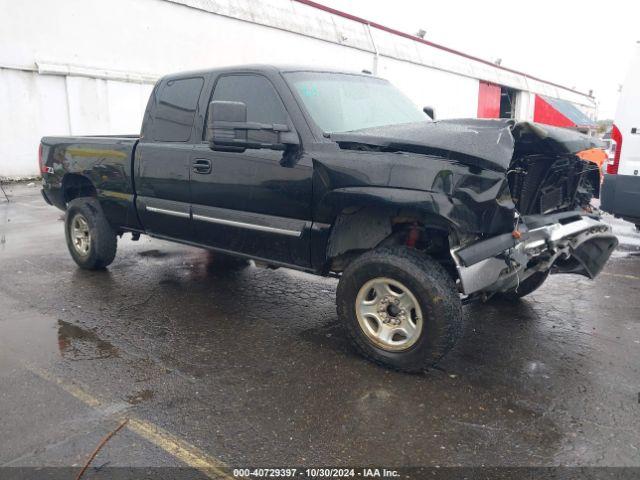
(163, 158)
(253, 202)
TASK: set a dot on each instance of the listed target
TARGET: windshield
(340, 102)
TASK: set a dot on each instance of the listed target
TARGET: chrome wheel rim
(80, 234)
(389, 314)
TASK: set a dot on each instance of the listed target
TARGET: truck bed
(105, 160)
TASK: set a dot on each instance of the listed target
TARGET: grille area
(543, 184)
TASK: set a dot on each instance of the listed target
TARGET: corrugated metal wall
(87, 66)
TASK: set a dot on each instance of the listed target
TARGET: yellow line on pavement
(74, 390)
(178, 448)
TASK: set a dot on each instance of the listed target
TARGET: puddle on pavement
(76, 343)
(26, 336)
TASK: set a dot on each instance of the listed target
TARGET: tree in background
(604, 126)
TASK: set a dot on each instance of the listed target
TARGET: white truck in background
(621, 189)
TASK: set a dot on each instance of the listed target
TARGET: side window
(262, 100)
(176, 108)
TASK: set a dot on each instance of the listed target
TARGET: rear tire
(91, 241)
(399, 290)
(526, 287)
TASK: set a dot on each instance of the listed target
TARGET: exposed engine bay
(541, 184)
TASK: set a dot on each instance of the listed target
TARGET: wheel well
(432, 239)
(74, 186)
(357, 232)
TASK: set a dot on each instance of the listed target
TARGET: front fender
(437, 209)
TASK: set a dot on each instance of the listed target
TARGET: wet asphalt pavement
(251, 368)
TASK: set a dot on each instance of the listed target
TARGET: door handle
(202, 166)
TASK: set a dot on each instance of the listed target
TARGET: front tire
(400, 308)
(91, 241)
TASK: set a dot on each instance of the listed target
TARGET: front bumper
(574, 244)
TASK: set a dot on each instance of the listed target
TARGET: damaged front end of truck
(516, 195)
(570, 242)
(555, 228)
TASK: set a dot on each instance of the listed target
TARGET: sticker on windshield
(309, 91)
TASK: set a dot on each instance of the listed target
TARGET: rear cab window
(176, 105)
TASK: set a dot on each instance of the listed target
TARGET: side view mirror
(430, 112)
(228, 130)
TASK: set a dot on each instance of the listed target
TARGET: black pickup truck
(339, 174)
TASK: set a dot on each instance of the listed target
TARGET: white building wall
(452, 96)
(87, 66)
(29, 105)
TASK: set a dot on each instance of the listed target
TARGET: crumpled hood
(483, 143)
